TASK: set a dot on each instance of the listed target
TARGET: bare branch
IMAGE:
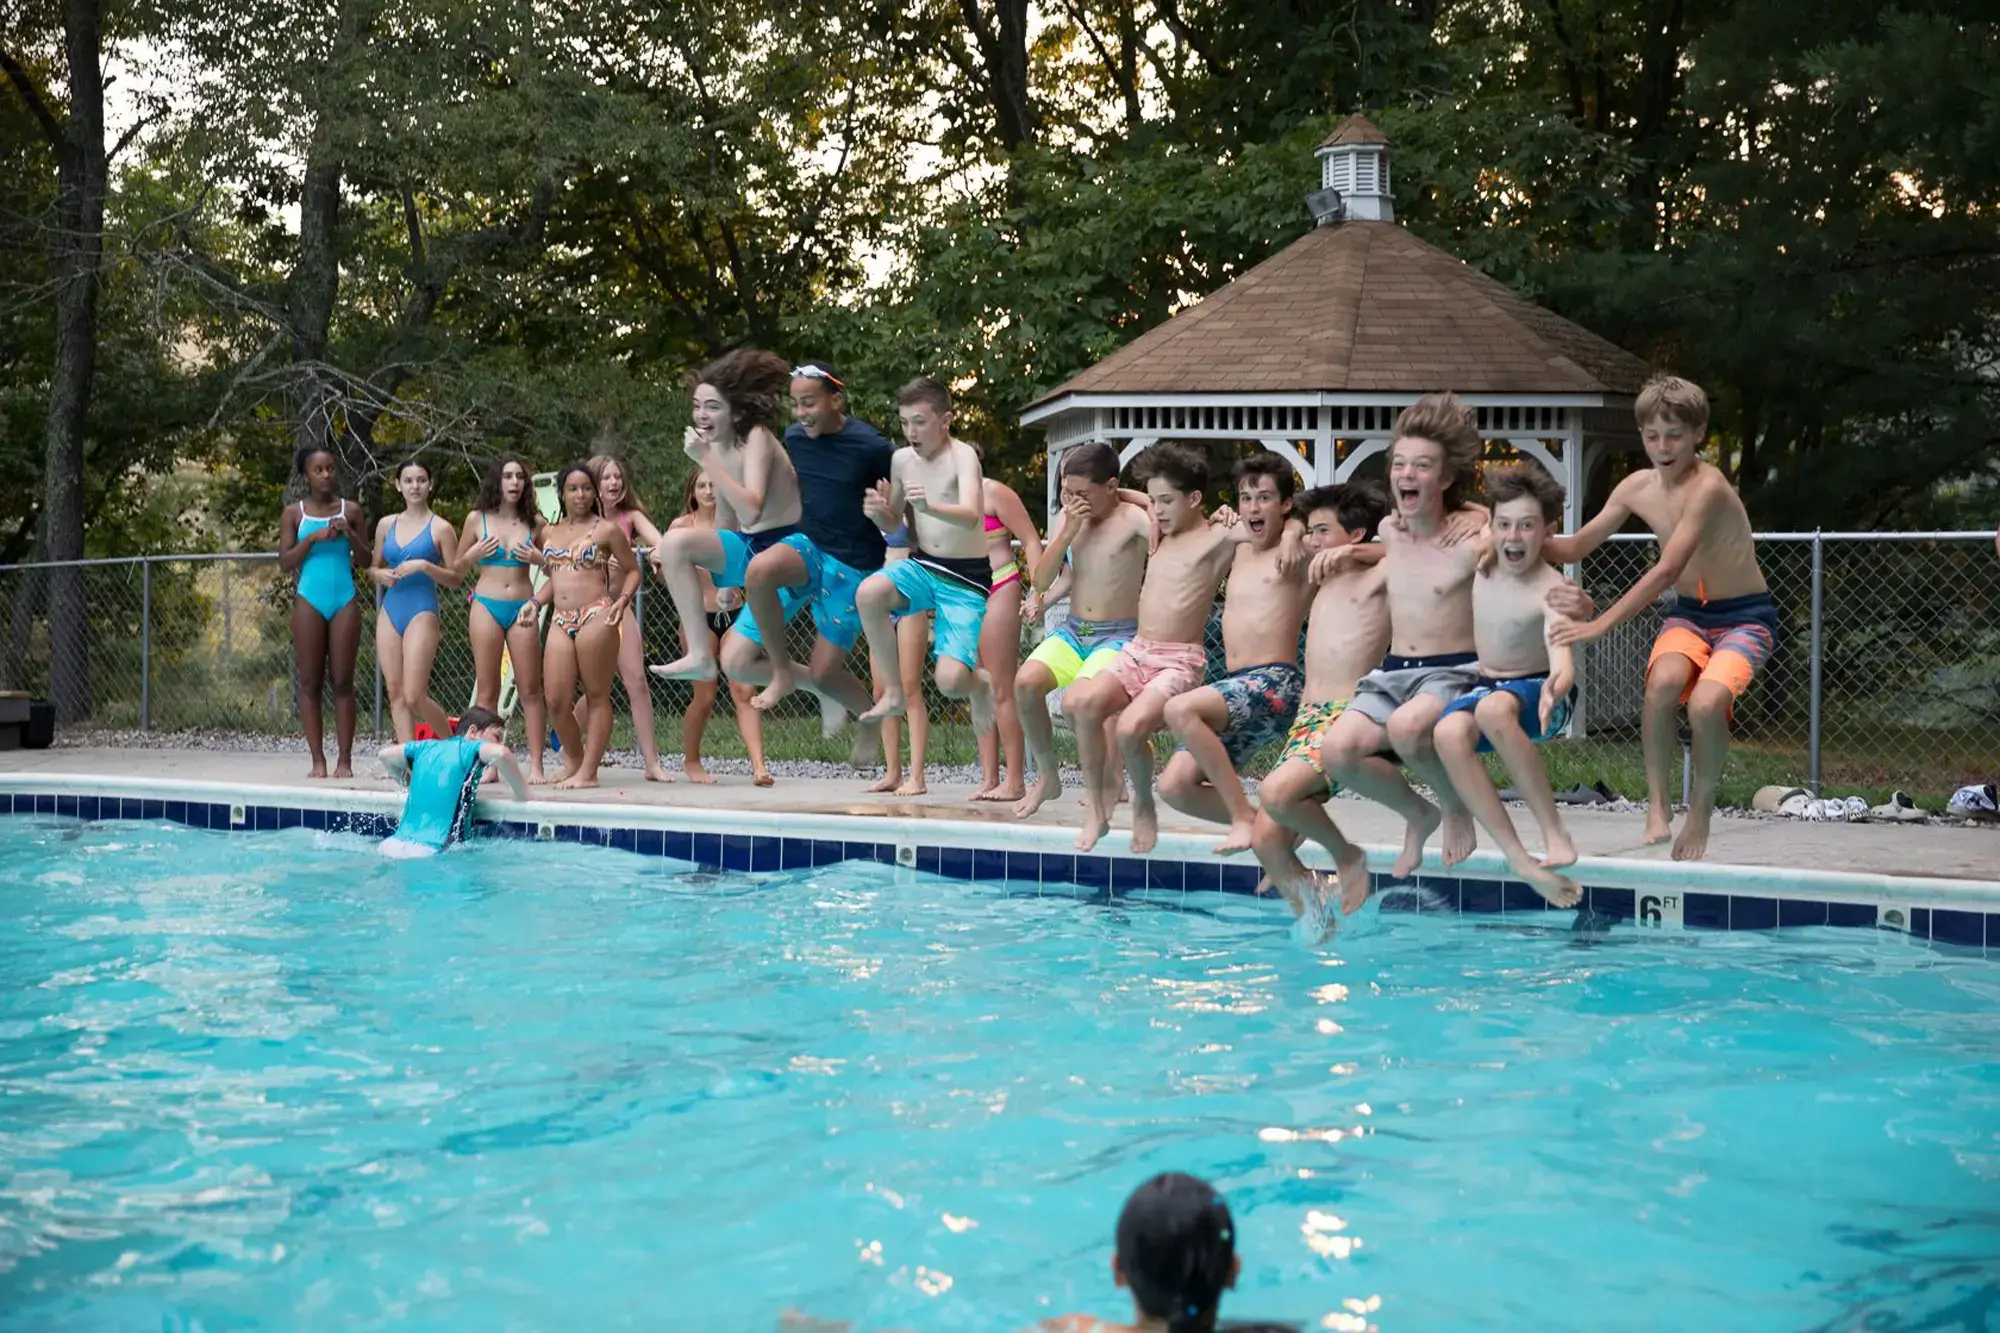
(52, 129)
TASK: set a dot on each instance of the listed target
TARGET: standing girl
(317, 543)
(414, 552)
(621, 506)
(579, 553)
(499, 538)
(698, 511)
(1007, 521)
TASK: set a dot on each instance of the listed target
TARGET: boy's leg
(1089, 704)
(1142, 718)
(878, 601)
(1294, 797)
(1185, 787)
(1353, 754)
(1668, 679)
(782, 566)
(679, 555)
(1411, 731)
(913, 646)
(961, 615)
(1195, 718)
(1499, 718)
(1458, 750)
(1033, 684)
(1708, 718)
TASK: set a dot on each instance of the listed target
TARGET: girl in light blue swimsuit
(406, 628)
(497, 536)
(319, 548)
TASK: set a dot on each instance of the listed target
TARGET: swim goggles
(810, 372)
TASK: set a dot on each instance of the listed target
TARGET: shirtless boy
(734, 441)
(937, 482)
(1433, 466)
(1722, 624)
(1527, 685)
(1105, 542)
(1165, 657)
(1219, 726)
(1346, 636)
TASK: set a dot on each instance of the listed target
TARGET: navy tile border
(1094, 877)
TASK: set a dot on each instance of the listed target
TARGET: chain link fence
(1887, 674)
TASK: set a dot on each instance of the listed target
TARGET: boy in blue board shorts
(442, 777)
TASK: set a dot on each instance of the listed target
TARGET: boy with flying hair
(1346, 634)
(1165, 657)
(1527, 684)
(938, 484)
(1221, 725)
(1721, 625)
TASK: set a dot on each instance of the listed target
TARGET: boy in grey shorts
(1441, 676)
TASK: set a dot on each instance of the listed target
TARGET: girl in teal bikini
(580, 554)
(499, 538)
(318, 544)
(414, 553)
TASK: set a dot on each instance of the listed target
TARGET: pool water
(274, 1081)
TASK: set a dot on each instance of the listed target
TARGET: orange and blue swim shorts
(1728, 639)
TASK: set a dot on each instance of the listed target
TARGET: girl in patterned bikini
(408, 569)
(579, 554)
(499, 537)
(317, 543)
(698, 511)
(622, 507)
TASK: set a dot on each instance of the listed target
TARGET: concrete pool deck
(1969, 855)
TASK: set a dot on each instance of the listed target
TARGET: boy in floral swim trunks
(1221, 725)
(1346, 635)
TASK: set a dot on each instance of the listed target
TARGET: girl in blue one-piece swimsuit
(499, 533)
(317, 543)
(414, 552)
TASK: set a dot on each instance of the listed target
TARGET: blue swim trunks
(1528, 690)
(959, 607)
(829, 590)
(740, 548)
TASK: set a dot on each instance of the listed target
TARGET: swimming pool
(271, 1080)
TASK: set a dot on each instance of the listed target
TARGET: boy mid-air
(1221, 725)
(1721, 625)
(937, 481)
(1527, 684)
(1165, 657)
(1346, 635)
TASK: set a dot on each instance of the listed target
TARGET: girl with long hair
(318, 543)
(414, 552)
(500, 536)
(621, 506)
(579, 552)
(1007, 521)
(698, 511)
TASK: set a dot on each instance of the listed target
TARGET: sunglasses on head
(818, 373)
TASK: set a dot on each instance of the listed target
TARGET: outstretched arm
(396, 759)
(1570, 550)
(1666, 571)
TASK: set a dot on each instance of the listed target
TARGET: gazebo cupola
(1354, 162)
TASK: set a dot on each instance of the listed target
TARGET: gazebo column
(1356, 456)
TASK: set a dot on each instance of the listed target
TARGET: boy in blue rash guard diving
(443, 776)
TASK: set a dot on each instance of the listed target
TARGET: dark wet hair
(1356, 504)
(1518, 479)
(1094, 461)
(1181, 466)
(304, 456)
(479, 719)
(1264, 463)
(493, 503)
(562, 485)
(409, 463)
(753, 382)
(1176, 1247)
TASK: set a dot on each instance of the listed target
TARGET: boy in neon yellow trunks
(1347, 631)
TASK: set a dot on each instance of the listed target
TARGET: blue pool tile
(766, 853)
(927, 860)
(955, 862)
(264, 818)
(1128, 874)
(677, 845)
(1967, 929)
(1517, 896)
(1612, 902)
(313, 819)
(1753, 913)
(1481, 895)
(1792, 913)
(45, 805)
(647, 841)
(1092, 872)
(707, 849)
(1443, 893)
(882, 853)
(176, 812)
(1993, 930)
(826, 853)
(795, 854)
(736, 849)
(152, 809)
(290, 816)
(622, 839)
(989, 866)
(1201, 877)
(1024, 867)
(1058, 868)
(1166, 875)
(67, 805)
(1920, 922)
(92, 807)
(1240, 879)
(1705, 911)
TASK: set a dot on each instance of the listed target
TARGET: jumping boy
(1219, 726)
(1527, 684)
(1346, 635)
(1165, 657)
(1721, 625)
(1433, 467)
(937, 481)
(443, 776)
(1105, 542)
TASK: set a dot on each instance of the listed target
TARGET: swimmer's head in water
(1177, 1250)
(482, 724)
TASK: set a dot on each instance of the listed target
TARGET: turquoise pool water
(273, 1081)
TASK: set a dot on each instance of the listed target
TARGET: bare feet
(1415, 836)
(1692, 845)
(999, 791)
(1354, 881)
(692, 667)
(1560, 890)
(1038, 796)
(1461, 836)
(887, 782)
(1145, 829)
(318, 769)
(1659, 826)
(1095, 826)
(1562, 852)
(537, 778)
(761, 777)
(982, 706)
(780, 686)
(1238, 839)
(658, 774)
(576, 782)
(697, 774)
(891, 704)
(914, 787)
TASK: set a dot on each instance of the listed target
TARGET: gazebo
(1314, 351)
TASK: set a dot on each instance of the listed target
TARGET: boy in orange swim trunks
(1722, 624)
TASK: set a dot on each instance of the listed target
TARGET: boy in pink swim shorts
(1165, 657)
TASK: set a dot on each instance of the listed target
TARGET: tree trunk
(78, 247)
(313, 288)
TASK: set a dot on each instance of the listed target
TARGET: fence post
(1818, 622)
(146, 644)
